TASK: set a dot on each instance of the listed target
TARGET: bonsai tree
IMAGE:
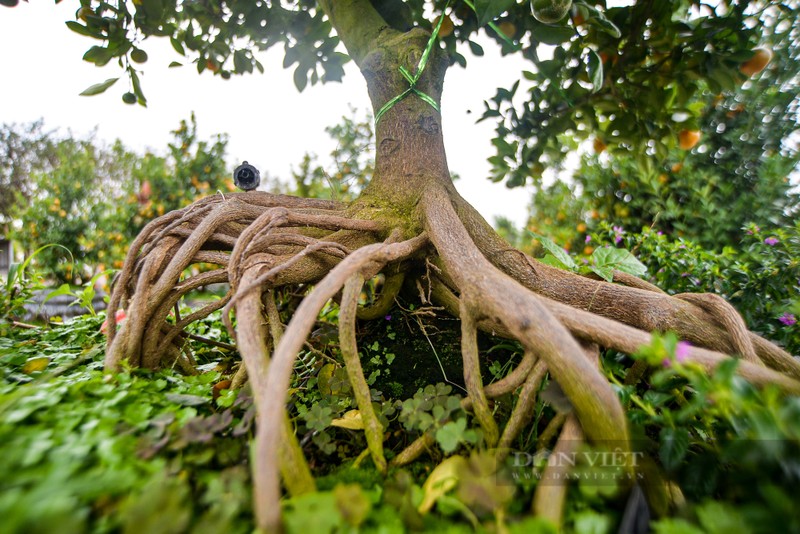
(632, 73)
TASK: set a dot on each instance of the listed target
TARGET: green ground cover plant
(87, 451)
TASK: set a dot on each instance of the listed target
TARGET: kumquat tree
(653, 380)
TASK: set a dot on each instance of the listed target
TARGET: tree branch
(357, 24)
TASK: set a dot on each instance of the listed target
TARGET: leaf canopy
(631, 73)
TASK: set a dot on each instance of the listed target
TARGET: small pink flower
(788, 319)
(771, 241)
(618, 233)
(119, 317)
(681, 354)
(682, 351)
(588, 238)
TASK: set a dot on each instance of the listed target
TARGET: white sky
(268, 122)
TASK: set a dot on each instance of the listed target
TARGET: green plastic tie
(423, 62)
(413, 79)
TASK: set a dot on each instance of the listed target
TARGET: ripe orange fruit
(84, 13)
(687, 139)
(757, 63)
(509, 29)
(447, 26)
(599, 146)
(216, 390)
(676, 167)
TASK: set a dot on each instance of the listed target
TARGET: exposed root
(472, 376)
(349, 347)
(643, 309)
(258, 243)
(727, 316)
(524, 410)
(367, 261)
(551, 493)
(526, 318)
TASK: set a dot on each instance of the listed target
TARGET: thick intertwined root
(261, 242)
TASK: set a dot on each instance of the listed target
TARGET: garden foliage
(93, 199)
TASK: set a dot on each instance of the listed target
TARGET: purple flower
(682, 351)
(771, 241)
(788, 319)
(619, 231)
(752, 230)
(681, 354)
(388, 317)
(588, 238)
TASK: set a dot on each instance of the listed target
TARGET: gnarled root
(260, 242)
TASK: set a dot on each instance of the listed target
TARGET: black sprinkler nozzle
(246, 177)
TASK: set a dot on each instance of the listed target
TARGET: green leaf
(63, 289)
(442, 479)
(241, 62)
(675, 526)
(598, 19)
(589, 522)
(137, 87)
(163, 505)
(488, 10)
(552, 35)
(313, 512)
(451, 435)
(154, 10)
(674, 445)
(98, 88)
(606, 273)
(558, 253)
(475, 48)
(83, 30)
(619, 259)
(606, 26)
(98, 55)
(719, 518)
(186, 400)
(595, 70)
(300, 78)
(176, 44)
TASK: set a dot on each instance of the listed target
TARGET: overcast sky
(268, 122)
